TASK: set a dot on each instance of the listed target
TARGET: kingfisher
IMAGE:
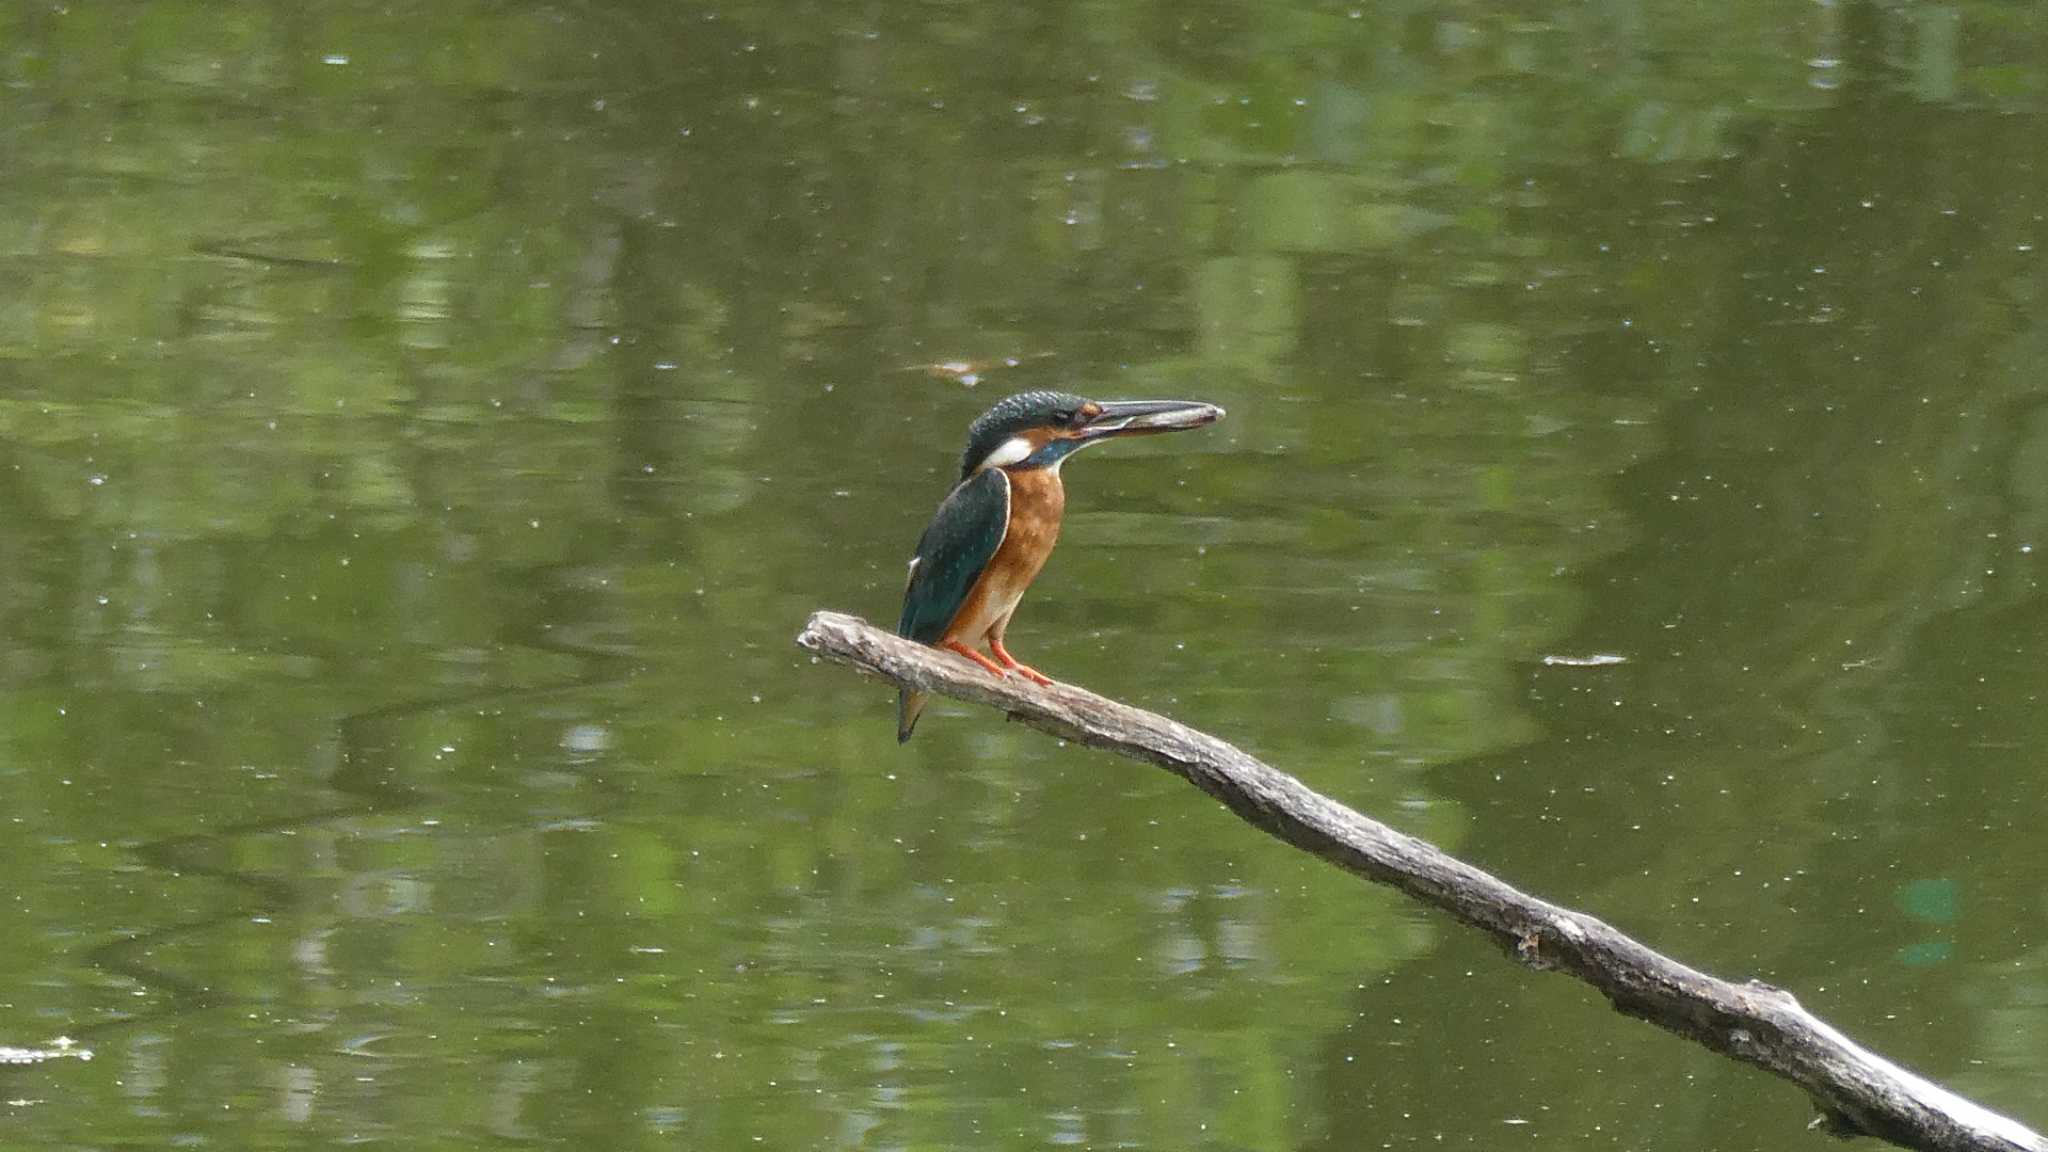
(992, 534)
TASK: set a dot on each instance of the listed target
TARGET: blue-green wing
(964, 533)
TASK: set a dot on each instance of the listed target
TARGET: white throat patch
(1011, 451)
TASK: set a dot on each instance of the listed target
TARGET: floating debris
(59, 1049)
(970, 372)
(1596, 660)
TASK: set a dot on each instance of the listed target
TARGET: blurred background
(423, 428)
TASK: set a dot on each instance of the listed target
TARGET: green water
(423, 428)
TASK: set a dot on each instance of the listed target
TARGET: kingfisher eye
(1068, 416)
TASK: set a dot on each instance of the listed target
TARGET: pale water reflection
(423, 430)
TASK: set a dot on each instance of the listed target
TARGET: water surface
(423, 428)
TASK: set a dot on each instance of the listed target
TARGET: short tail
(908, 705)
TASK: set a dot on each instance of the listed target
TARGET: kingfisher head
(1041, 429)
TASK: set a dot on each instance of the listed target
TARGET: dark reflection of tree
(1829, 619)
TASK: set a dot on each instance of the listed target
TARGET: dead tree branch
(1857, 1092)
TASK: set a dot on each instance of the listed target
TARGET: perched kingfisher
(990, 537)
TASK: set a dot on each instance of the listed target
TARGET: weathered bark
(1857, 1092)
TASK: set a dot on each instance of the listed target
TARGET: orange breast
(1037, 501)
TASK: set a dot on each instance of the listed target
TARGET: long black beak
(1143, 417)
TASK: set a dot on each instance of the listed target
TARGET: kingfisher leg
(971, 654)
(1013, 664)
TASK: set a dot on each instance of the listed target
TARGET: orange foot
(1011, 662)
(971, 654)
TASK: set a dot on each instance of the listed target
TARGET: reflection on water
(423, 431)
